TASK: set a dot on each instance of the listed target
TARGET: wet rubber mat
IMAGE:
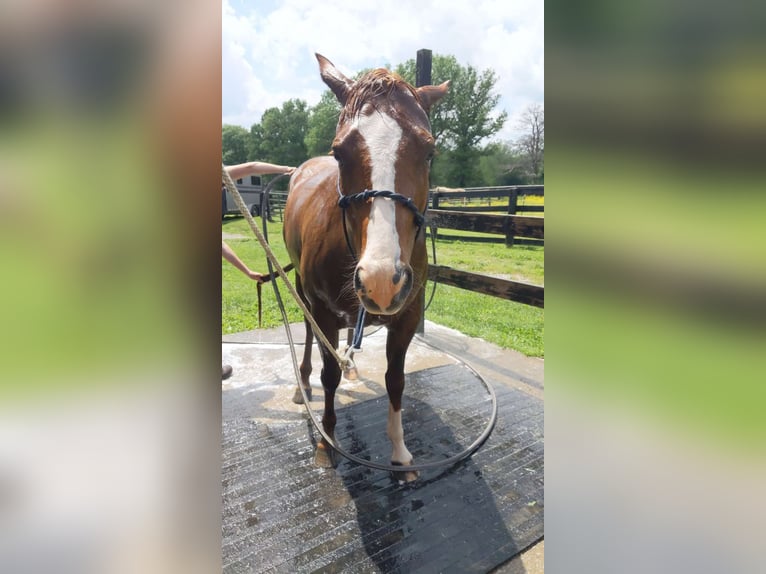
(282, 514)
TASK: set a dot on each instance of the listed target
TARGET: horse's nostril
(357, 281)
(398, 270)
(407, 278)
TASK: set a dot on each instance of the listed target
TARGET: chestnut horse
(371, 252)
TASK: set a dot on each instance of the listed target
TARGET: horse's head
(383, 142)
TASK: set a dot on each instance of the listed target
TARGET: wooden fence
(446, 199)
(518, 291)
(470, 218)
(440, 195)
(444, 214)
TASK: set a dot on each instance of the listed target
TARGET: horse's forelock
(374, 84)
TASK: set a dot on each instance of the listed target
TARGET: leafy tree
(323, 119)
(502, 163)
(254, 143)
(234, 144)
(464, 118)
(439, 166)
(280, 137)
(495, 161)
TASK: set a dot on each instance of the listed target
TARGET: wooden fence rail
(487, 285)
(509, 225)
(440, 195)
(521, 229)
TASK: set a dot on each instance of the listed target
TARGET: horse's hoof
(405, 475)
(298, 396)
(351, 374)
(324, 457)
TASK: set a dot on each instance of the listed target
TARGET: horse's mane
(374, 84)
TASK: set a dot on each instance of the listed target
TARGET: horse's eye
(337, 157)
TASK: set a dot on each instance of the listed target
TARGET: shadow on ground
(282, 514)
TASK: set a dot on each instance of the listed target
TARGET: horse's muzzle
(381, 291)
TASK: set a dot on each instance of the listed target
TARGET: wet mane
(375, 84)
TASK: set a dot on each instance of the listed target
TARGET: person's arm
(257, 168)
(232, 258)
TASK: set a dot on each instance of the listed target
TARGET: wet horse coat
(383, 142)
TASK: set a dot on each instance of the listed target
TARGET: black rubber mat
(281, 514)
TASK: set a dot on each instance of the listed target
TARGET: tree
(280, 137)
(532, 144)
(234, 144)
(464, 118)
(495, 161)
(323, 119)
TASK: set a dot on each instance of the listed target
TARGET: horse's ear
(429, 95)
(337, 82)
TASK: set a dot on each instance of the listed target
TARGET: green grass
(505, 323)
(239, 306)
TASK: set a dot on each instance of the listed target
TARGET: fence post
(423, 78)
(513, 198)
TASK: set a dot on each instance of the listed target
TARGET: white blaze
(382, 135)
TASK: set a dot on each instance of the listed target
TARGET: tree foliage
(234, 144)
(496, 157)
(464, 118)
(323, 119)
(281, 135)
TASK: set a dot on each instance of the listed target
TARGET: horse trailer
(251, 194)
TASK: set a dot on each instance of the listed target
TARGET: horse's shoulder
(314, 173)
(316, 166)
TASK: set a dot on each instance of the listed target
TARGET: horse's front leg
(399, 338)
(305, 367)
(325, 456)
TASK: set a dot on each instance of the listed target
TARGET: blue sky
(268, 46)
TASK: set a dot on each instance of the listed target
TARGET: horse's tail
(287, 268)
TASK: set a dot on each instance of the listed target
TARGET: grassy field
(505, 323)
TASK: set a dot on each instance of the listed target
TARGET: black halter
(345, 200)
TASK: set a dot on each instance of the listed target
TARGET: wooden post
(423, 78)
(513, 200)
(423, 68)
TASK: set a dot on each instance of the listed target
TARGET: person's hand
(255, 276)
(289, 170)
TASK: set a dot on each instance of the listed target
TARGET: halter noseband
(345, 200)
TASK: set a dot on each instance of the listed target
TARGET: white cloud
(269, 46)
